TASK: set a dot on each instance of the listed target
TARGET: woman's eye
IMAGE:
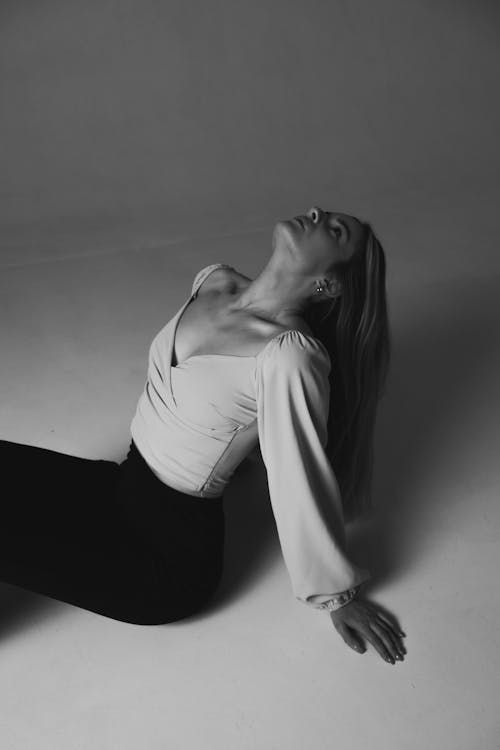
(337, 229)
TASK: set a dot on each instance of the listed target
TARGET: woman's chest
(208, 327)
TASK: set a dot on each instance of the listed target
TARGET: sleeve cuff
(336, 601)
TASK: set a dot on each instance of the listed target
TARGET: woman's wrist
(339, 600)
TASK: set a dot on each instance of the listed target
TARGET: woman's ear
(334, 288)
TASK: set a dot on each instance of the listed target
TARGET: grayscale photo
(249, 375)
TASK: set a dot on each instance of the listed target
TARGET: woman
(293, 362)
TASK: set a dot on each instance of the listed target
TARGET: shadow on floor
(21, 609)
(445, 352)
(251, 538)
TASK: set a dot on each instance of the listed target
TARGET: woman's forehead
(351, 221)
(355, 227)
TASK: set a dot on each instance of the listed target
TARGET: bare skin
(304, 251)
(363, 618)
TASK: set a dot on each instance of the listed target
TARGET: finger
(393, 632)
(394, 635)
(390, 640)
(389, 619)
(352, 640)
(378, 644)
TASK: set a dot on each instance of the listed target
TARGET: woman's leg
(107, 537)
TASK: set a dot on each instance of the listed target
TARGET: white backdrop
(142, 140)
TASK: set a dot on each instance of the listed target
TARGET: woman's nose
(315, 213)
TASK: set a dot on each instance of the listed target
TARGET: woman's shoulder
(292, 338)
(296, 346)
(219, 277)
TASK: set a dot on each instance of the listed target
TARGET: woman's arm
(292, 392)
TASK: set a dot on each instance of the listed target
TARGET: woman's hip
(185, 534)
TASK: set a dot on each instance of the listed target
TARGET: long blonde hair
(355, 331)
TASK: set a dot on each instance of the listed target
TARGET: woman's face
(319, 239)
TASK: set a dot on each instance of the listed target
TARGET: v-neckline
(171, 367)
(171, 347)
(194, 356)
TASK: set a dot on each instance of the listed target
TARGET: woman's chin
(284, 227)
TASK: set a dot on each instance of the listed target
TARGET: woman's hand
(360, 617)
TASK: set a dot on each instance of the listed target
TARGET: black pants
(110, 538)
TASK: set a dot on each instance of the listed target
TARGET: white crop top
(197, 421)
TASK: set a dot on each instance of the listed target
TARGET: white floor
(260, 669)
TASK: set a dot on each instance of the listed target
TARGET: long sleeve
(292, 392)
